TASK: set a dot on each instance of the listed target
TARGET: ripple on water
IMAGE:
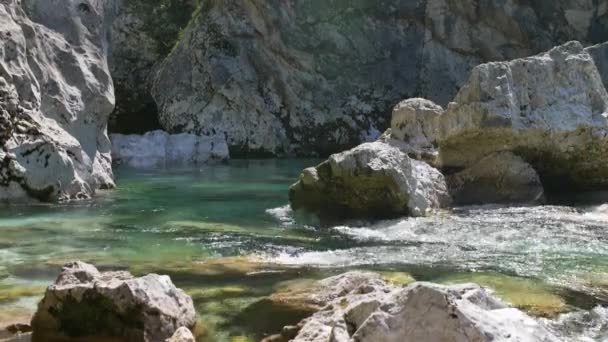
(171, 221)
(554, 243)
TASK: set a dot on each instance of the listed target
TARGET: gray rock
(550, 109)
(414, 129)
(182, 334)
(142, 35)
(501, 177)
(86, 303)
(159, 149)
(419, 312)
(373, 180)
(55, 97)
(600, 57)
(301, 77)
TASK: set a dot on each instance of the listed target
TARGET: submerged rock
(301, 77)
(55, 98)
(312, 296)
(501, 177)
(419, 312)
(373, 180)
(550, 109)
(160, 149)
(85, 303)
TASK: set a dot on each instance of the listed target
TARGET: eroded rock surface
(501, 177)
(301, 77)
(142, 35)
(86, 303)
(159, 149)
(55, 98)
(550, 109)
(374, 180)
(376, 311)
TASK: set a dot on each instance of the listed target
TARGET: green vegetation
(164, 20)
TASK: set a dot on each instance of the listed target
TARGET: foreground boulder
(55, 98)
(84, 303)
(371, 180)
(160, 149)
(550, 109)
(501, 177)
(420, 312)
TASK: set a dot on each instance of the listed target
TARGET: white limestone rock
(86, 303)
(55, 98)
(182, 334)
(159, 149)
(419, 312)
(416, 122)
(550, 109)
(371, 180)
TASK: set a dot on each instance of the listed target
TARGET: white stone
(550, 109)
(56, 94)
(86, 303)
(420, 312)
(159, 149)
(182, 334)
(372, 179)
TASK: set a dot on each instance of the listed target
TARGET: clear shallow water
(182, 222)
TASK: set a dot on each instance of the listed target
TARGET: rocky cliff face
(55, 97)
(142, 35)
(313, 77)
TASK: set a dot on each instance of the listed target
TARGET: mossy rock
(14, 292)
(529, 295)
(221, 292)
(397, 278)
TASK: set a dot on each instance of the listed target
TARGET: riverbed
(227, 236)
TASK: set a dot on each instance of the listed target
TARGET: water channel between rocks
(225, 234)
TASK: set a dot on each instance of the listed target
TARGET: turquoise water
(226, 235)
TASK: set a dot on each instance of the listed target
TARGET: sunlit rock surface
(86, 303)
(374, 180)
(55, 98)
(159, 149)
(375, 311)
(550, 109)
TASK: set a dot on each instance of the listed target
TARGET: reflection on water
(185, 222)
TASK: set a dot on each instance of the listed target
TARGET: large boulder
(550, 109)
(371, 180)
(158, 149)
(318, 77)
(419, 312)
(86, 303)
(55, 98)
(501, 177)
